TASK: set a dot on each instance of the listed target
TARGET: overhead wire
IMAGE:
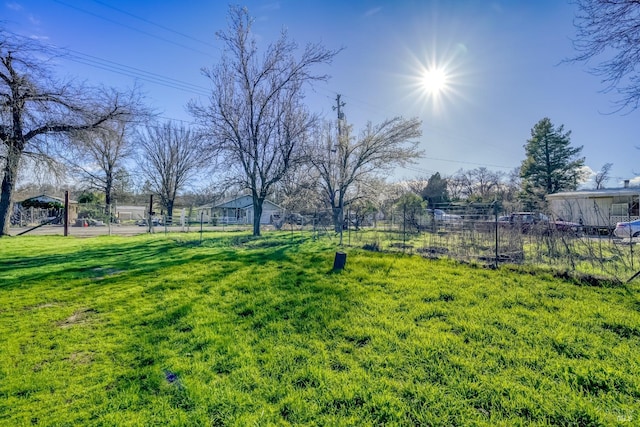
(437, 129)
(158, 79)
(132, 28)
(126, 70)
(155, 24)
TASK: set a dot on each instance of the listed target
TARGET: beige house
(598, 209)
(238, 210)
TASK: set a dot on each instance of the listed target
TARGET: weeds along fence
(469, 235)
(480, 238)
(477, 236)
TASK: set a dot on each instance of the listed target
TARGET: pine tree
(551, 164)
(436, 190)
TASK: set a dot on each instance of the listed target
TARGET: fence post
(630, 235)
(150, 216)
(66, 213)
(495, 214)
(348, 227)
(404, 226)
(201, 217)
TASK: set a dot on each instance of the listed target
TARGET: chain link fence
(477, 234)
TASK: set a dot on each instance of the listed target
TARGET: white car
(440, 215)
(627, 229)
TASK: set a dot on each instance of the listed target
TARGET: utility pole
(340, 113)
(339, 152)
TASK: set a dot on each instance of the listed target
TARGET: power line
(184, 86)
(171, 30)
(126, 70)
(469, 163)
(132, 28)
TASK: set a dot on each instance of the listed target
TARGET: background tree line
(255, 134)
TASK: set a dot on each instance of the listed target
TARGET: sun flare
(434, 81)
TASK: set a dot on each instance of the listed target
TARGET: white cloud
(39, 38)
(373, 11)
(13, 6)
(588, 178)
(271, 6)
(34, 20)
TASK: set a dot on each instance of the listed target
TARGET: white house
(239, 210)
(597, 208)
(131, 212)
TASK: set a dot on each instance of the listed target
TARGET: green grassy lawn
(164, 330)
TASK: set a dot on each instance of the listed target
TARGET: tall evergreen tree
(436, 190)
(551, 164)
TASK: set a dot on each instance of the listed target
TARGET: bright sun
(434, 81)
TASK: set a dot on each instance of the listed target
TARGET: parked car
(627, 229)
(294, 218)
(566, 226)
(154, 221)
(536, 222)
(526, 222)
(440, 215)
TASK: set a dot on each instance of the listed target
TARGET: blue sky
(502, 59)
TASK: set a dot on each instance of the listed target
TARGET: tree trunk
(107, 195)
(338, 219)
(257, 214)
(8, 184)
(170, 208)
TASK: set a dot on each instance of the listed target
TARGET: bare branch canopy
(36, 109)
(256, 119)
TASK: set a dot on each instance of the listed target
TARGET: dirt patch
(39, 306)
(81, 316)
(80, 358)
(105, 272)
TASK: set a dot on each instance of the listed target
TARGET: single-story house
(597, 208)
(238, 210)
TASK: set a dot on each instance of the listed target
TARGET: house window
(619, 209)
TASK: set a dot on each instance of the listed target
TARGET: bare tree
(509, 188)
(485, 183)
(457, 185)
(169, 157)
(345, 162)
(98, 157)
(256, 117)
(602, 176)
(298, 190)
(609, 31)
(37, 111)
(418, 185)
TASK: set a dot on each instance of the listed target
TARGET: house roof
(605, 192)
(242, 202)
(44, 201)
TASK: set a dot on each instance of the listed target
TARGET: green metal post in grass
(339, 261)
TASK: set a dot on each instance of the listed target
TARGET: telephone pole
(339, 152)
(338, 106)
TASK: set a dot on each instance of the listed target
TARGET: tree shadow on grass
(83, 263)
(129, 258)
(241, 315)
